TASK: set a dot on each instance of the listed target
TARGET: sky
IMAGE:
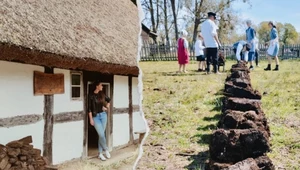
(284, 11)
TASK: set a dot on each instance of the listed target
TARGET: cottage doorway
(92, 136)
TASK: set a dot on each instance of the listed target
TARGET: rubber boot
(276, 68)
(268, 68)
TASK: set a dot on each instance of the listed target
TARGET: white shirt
(256, 41)
(208, 31)
(199, 48)
(238, 52)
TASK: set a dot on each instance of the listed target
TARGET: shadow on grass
(190, 73)
(198, 160)
(216, 117)
(207, 127)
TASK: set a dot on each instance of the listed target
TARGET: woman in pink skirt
(182, 51)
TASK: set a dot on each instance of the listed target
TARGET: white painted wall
(138, 124)
(121, 94)
(120, 129)
(135, 91)
(67, 141)
(16, 92)
(64, 102)
(36, 130)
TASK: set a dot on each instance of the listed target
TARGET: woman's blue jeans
(100, 121)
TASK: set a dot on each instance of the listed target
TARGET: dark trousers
(256, 57)
(212, 58)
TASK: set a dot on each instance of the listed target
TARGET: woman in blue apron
(250, 37)
(273, 47)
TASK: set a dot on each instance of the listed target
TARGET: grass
(183, 110)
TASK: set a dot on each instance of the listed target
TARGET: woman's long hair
(101, 95)
(272, 23)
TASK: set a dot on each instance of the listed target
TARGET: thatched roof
(101, 31)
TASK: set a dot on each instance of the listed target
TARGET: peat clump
(242, 140)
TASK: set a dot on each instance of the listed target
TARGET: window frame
(81, 86)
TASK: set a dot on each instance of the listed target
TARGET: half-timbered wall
(63, 102)
(138, 122)
(120, 111)
(19, 105)
(68, 125)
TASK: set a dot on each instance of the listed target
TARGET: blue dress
(250, 35)
(274, 45)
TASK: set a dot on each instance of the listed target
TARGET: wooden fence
(168, 52)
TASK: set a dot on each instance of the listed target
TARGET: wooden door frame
(109, 127)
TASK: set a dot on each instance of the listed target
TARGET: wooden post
(48, 126)
(282, 55)
(110, 123)
(130, 110)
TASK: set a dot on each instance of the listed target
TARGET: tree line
(167, 17)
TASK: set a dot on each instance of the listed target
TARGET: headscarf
(183, 33)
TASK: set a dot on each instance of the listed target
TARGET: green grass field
(182, 111)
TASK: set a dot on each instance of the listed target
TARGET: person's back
(242, 42)
(199, 48)
(208, 30)
(241, 49)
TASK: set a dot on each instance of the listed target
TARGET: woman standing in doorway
(183, 51)
(273, 47)
(98, 105)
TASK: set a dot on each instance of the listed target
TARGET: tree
(175, 18)
(199, 8)
(165, 10)
(264, 32)
(148, 7)
(287, 33)
(290, 34)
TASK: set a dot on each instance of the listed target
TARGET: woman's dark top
(96, 102)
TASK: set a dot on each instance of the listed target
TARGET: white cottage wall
(17, 99)
(121, 120)
(121, 93)
(120, 129)
(135, 91)
(138, 122)
(63, 102)
(16, 92)
(67, 141)
(36, 130)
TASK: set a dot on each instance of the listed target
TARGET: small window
(76, 86)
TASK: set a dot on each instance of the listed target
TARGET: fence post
(282, 55)
(298, 51)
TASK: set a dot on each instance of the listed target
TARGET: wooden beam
(20, 120)
(110, 126)
(48, 126)
(68, 117)
(135, 108)
(130, 110)
(85, 118)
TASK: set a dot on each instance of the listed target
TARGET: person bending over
(241, 50)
